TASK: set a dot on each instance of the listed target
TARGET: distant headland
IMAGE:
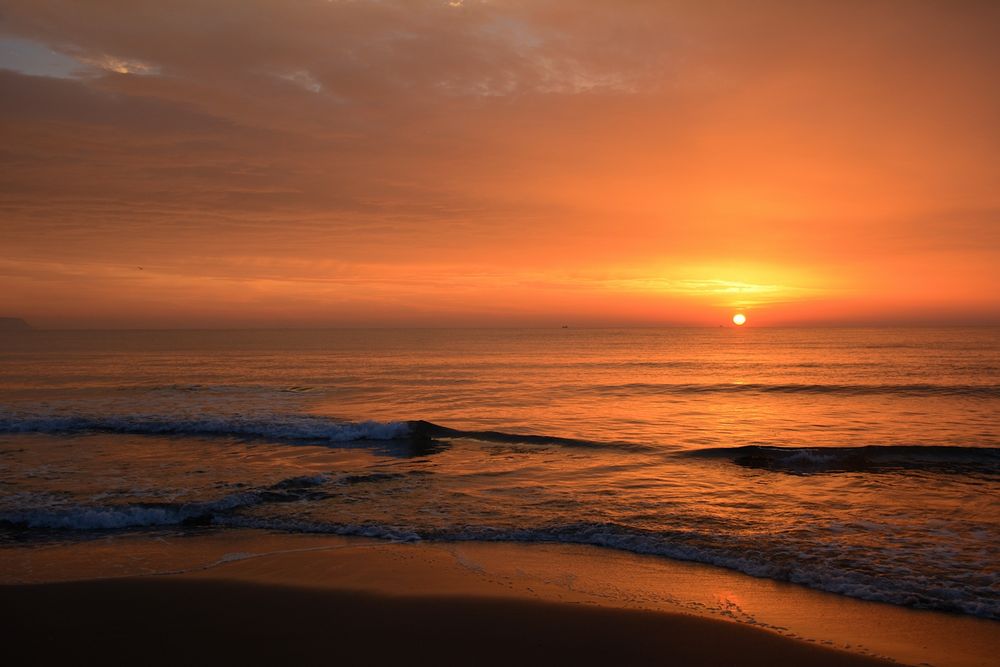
(13, 324)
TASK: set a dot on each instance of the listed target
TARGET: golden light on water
(739, 319)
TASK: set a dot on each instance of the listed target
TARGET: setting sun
(298, 279)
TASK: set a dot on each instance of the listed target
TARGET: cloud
(514, 138)
(118, 65)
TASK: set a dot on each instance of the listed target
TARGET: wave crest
(284, 427)
(870, 458)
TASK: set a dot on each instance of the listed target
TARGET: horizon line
(882, 325)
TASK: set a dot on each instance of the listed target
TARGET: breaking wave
(306, 429)
(40, 512)
(861, 578)
(283, 428)
(147, 515)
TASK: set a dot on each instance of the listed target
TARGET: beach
(796, 490)
(471, 332)
(320, 599)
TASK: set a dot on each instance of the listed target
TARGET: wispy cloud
(513, 153)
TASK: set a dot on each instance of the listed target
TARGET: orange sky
(435, 163)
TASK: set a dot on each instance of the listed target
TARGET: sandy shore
(178, 620)
(257, 598)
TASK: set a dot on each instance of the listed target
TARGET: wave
(870, 580)
(416, 437)
(284, 427)
(40, 512)
(870, 458)
(866, 580)
(425, 429)
(917, 389)
(117, 517)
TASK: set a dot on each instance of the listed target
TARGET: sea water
(864, 462)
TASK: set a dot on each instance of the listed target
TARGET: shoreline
(576, 588)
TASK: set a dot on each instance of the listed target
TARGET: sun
(739, 319)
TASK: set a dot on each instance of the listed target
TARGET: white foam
(112, 517)
(279, 427)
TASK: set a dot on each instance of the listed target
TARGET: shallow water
(858, 461)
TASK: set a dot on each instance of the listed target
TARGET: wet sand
(263, 598)
(174, 620)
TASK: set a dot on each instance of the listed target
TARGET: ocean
(860, 461)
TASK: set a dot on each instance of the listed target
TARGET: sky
(232, 163)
